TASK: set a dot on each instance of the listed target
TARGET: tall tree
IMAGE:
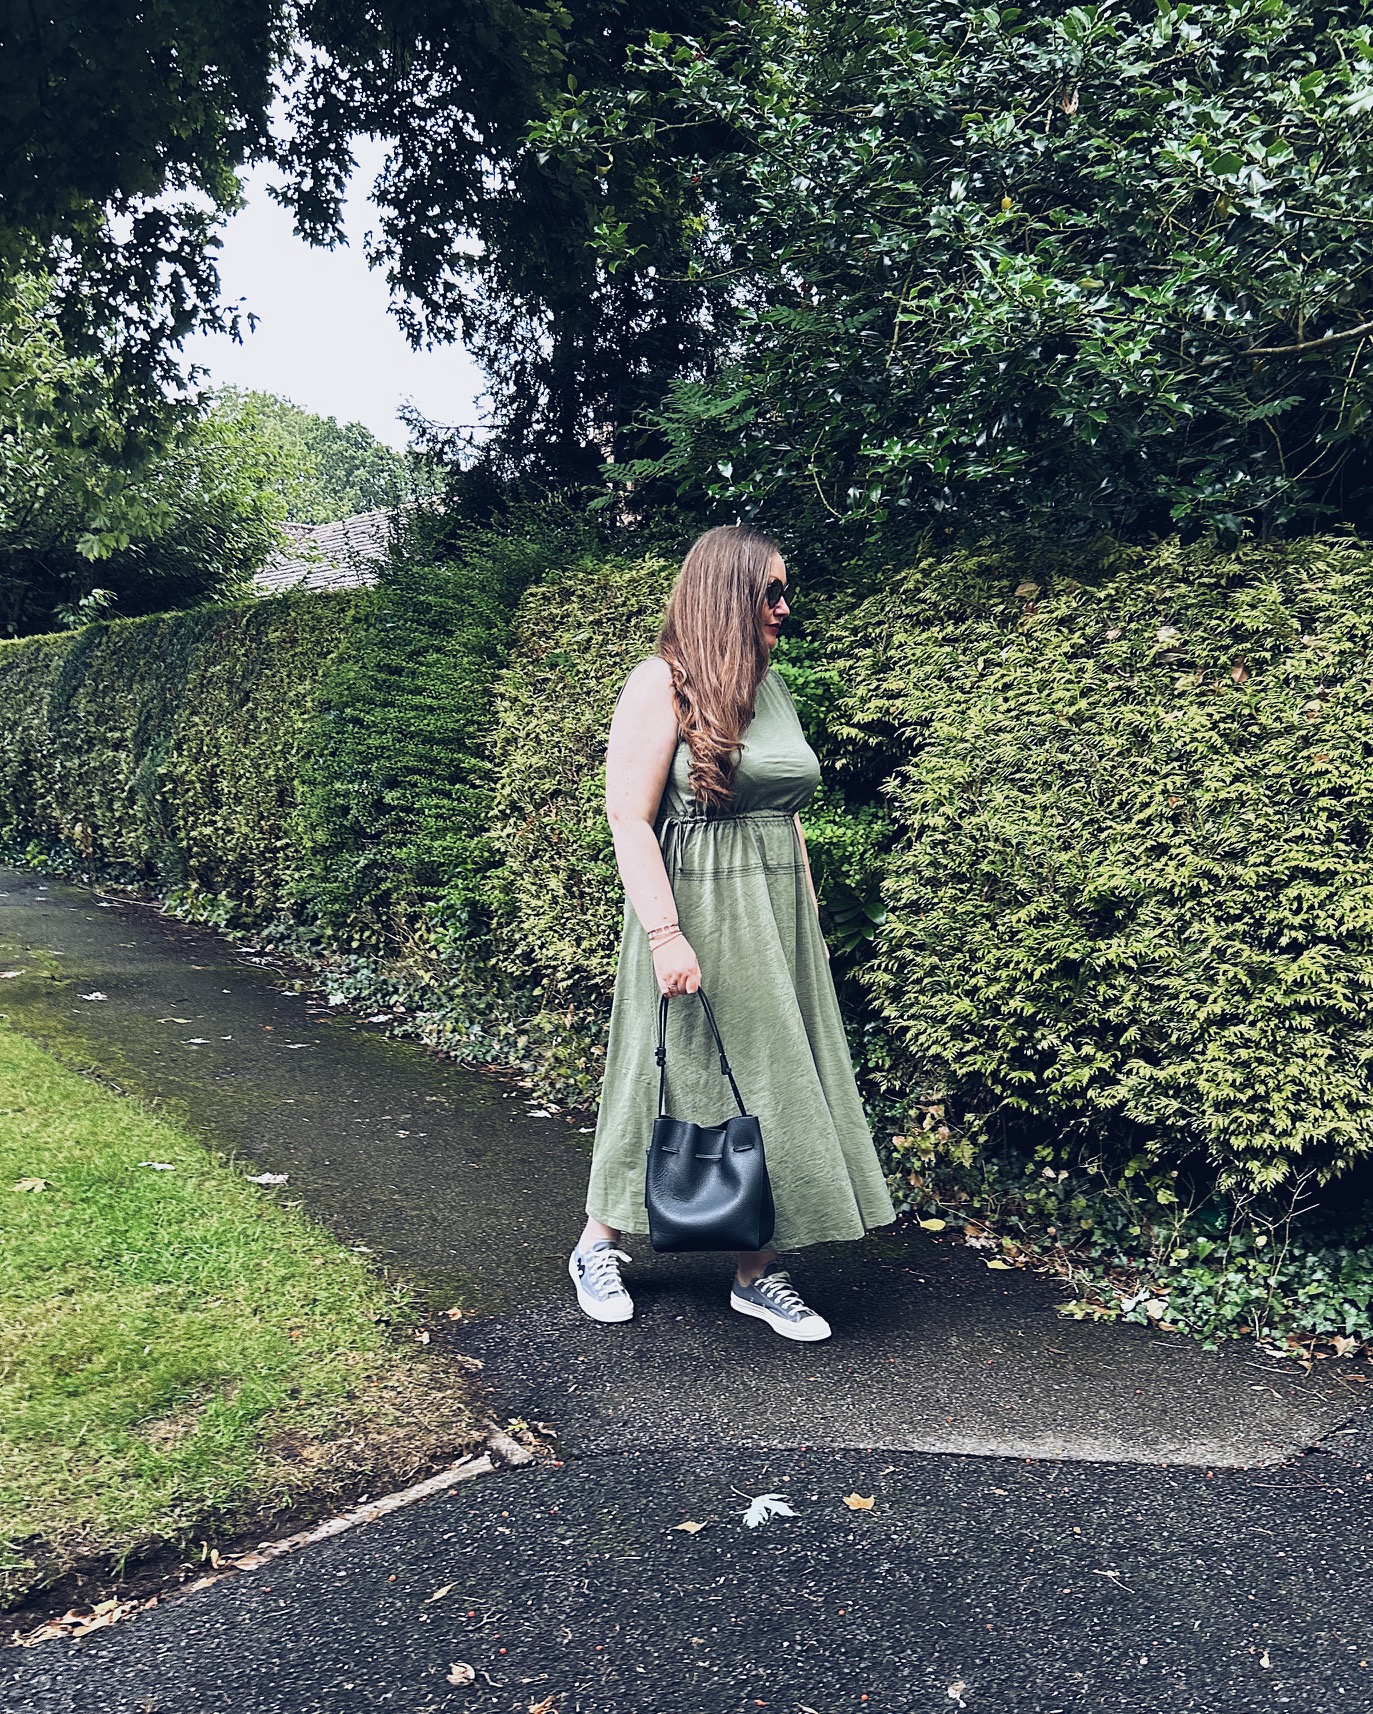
(329, 469)
(1074, 266)
(122, 127)
(486, 238)
(122, 130)
(98, 517)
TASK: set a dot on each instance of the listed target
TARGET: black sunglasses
(775, 591)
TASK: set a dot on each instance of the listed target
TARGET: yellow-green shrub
(165, 751)
(1130, 890)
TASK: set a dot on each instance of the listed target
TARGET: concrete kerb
(502, 1451)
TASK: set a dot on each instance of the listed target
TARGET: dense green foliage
(1084, 266)
(165, 751)
(578, 633)
(1090, 852)
(105, 508)
(1129, 887)
(108, 116)
(328, 470)
(396, 784)
(1106, 266)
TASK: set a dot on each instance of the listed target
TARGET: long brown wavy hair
(712, 639)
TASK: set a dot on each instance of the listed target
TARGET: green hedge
(1092, 850)
(1130, 887)
(165, 751)
(578, 632)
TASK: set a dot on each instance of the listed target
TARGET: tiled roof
(341, 555)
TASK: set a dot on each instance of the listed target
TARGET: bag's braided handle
(662, 1050)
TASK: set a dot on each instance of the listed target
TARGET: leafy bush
(1078, 266)
(1129, 890)
(1138, 1241)
(107, 506)
(164, 751)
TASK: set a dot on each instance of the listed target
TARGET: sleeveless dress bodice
(777, 769)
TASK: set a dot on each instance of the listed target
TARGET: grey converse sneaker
(773, 1298)
(595, 1272)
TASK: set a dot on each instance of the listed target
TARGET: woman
(706, 768)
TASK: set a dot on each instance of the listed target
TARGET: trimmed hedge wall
(1130, 885)
(1092, 847)
(165, 752)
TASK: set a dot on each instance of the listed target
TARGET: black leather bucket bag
(707, 1186)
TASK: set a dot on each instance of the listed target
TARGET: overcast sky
(324, 337)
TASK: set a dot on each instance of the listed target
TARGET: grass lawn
(178, 1351)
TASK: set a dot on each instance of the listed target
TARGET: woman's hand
(675, 966)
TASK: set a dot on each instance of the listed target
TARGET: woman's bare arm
(643, 739)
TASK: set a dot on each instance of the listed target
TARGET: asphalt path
(1064, 1515)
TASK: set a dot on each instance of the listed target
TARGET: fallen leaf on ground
(544, 1707)
(996, 1262)
(159, 1166)
(439, 1594)
(856, 1502)
(32, 1184)
(1264, 1660)
(453, 1314)
(933, 1225)
(956, 1690)
(77, 1622)
(689, 1528)
(765, 1506)
(9, 975)
(175, 1020)
(460, 1673)
(97, 995)
(269, 1178)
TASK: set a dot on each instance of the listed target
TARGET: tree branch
(1359, 332)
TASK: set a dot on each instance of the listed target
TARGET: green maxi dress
(739, 882)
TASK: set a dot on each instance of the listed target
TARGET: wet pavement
(1066, 1515)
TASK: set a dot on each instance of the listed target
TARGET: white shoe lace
(602, 1268)
(783, 1293)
